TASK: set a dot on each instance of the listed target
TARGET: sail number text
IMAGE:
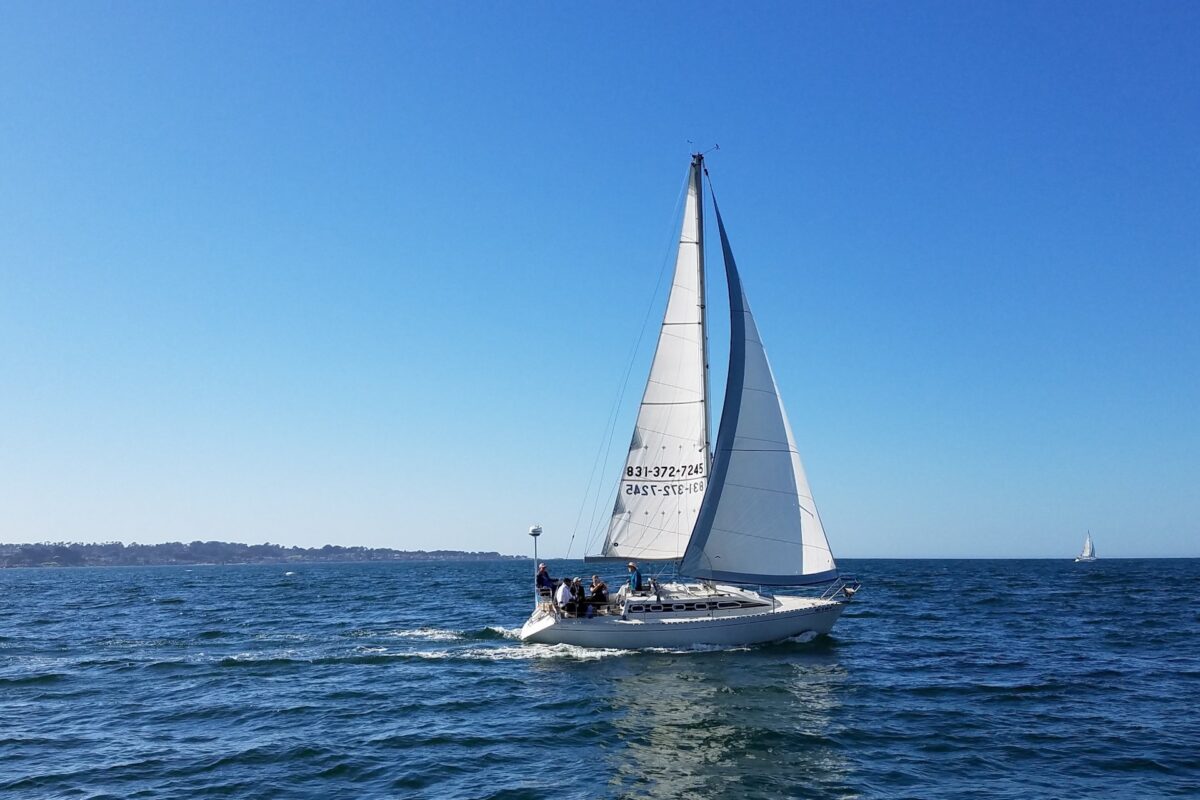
(661, 471)
(664, 490)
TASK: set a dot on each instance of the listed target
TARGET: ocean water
(945, 679)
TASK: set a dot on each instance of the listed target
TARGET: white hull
(790, 616)
(1084, 558)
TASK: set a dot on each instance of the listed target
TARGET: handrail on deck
(845, 585)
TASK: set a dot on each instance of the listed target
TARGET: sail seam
(788, 492)
(800, 544)
(664, 434)
(666, 334)
(647, 527)
(757, 536)
(759, 439)
(669, 386)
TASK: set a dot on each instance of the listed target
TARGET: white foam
(249, 657)
(427, 634)
(507, 633)
(699, 648)
(283, 637)
(526, 652)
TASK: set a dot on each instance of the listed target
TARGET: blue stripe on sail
(729, 416)
(770, 580)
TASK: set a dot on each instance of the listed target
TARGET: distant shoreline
(50, 555)
(115, 554)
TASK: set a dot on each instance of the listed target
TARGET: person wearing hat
(635, 577)
(545, 584)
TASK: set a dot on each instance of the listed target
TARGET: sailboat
(1089, 550)
(731, 520)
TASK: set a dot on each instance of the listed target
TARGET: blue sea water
(944, 679)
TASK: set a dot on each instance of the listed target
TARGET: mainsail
(759, 523)
(665, 474)
(1089, 551)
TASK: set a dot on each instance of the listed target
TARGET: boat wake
(428, 634)
(522, 652)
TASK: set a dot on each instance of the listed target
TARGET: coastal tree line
(75, 554)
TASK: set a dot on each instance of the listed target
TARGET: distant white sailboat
(1089, 550)
(744, 515)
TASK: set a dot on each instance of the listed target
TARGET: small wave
(283, 637)
(168, 665)
(34, 680)
(493, 632)
(169, 601)
(260, 660)
(143, 643)
(370, 650)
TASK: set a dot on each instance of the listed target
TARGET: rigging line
(606, 439)
(595, 528)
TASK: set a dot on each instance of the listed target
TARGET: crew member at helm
(635, 577)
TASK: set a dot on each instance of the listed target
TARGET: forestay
(759, 523)
(664, 478)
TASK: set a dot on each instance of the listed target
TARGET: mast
(698, 185)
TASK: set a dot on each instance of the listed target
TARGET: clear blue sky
(370, 273)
